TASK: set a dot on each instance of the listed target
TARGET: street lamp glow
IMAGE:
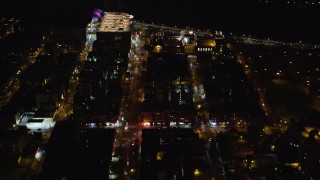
(196, 172)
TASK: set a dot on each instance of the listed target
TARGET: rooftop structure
(115, 22)
(35, 123)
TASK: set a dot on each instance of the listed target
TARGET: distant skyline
(275, 20)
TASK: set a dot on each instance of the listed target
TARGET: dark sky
(244, 16)
(275, 19)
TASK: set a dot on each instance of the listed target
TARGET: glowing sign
(97, 13)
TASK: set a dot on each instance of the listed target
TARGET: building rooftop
(115, 22)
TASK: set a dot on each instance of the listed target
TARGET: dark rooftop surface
(78, 154)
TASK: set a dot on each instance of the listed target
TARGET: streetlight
(196, 172)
